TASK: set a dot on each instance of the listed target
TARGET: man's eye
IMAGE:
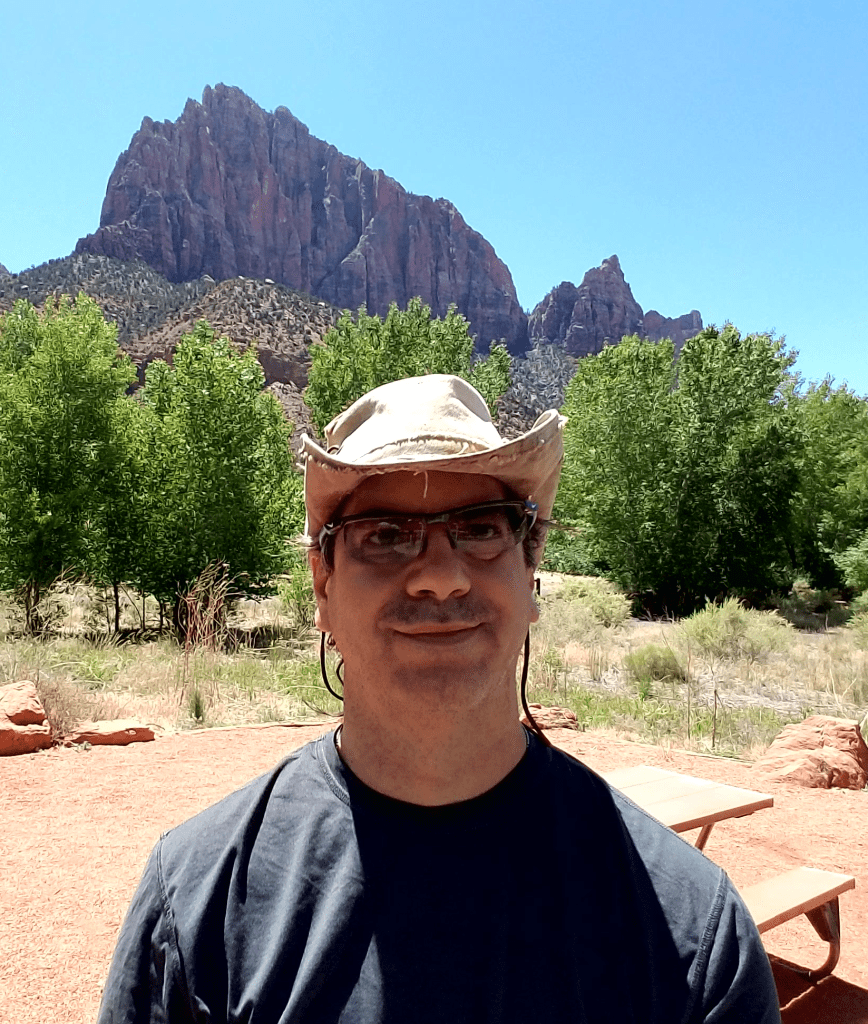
(489, 527)
(386, 535)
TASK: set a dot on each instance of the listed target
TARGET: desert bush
(729, 631)
(65, 705)
(808, 608)
(858, 626)
(605, 602)
(296, 594)
(853, 565)
(653, 663)
(564, 622)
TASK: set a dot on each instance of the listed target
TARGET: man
(432, 860)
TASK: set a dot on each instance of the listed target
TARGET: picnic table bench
(685, 802)
(807, 891)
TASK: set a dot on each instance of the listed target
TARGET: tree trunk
(32, 618)
(117, 608)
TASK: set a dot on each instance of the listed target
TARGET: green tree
(831, 508)
(119, 522)
(62, 379)
(680, 474)
(220, 484)
(361, 353)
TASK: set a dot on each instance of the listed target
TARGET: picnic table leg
(704, 833)
(827, 923)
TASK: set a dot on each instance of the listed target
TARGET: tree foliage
(219, 483)
(830, 512)
(680, 475)
(62, 380)
(361, 353)
(147, 490)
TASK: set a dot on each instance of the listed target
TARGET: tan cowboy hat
(426, 424)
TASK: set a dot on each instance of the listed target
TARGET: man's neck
(439, 760)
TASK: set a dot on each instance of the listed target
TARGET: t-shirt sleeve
(738, 986)
(145, 980)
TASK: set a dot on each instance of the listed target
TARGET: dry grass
(736, 702)
(739, 678)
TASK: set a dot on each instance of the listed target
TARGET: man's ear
(321, 576)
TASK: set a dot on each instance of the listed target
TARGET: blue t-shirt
(308, 897)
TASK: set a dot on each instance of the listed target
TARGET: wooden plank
(793, 893)
(683, 801)
(705, 806)
(634, 775)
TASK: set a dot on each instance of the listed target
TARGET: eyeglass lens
(482, 533)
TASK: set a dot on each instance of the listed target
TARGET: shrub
(859, 627)
(64, 704)
(728, 631)
(853, 564)
(653, 663)
(296, 594)
(810, 609)
(605, 602)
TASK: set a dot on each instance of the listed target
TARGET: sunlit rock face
(601, 311)
(230, 189)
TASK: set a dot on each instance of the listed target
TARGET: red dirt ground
(77, 827)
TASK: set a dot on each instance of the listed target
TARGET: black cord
(534, 727)
(324, 673)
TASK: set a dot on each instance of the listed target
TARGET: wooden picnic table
(684, 802)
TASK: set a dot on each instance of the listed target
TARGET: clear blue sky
(718, 148)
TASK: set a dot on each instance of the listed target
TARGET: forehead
(422, 492)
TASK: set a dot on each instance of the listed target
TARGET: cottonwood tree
(220, 487)
(680, 475)
(830, 511)
(361, 353)
(62, 379)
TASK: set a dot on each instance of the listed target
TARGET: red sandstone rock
(23, 727)
(600, 312)
(551, 717)
(116, 733)
(821, 752)
(679, 329)
(19, 702)
(231, 189)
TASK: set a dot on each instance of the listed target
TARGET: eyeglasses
(481, 531)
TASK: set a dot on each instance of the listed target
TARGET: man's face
(446, 627)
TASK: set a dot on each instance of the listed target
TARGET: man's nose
(440, 570)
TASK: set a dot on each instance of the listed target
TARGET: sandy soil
(77, 826)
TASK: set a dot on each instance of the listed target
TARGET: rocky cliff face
(4, 272)
(600, 311)
(679, 328)
(229, 189)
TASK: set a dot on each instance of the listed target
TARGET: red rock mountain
(229, 189)
(601, 311)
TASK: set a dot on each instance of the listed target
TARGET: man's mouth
(435, 629)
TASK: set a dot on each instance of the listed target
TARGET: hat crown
(413, 418)
(435, 423)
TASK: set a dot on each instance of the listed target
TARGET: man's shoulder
(266, 809)
(670, 860)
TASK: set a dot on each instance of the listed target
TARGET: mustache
(419, 611)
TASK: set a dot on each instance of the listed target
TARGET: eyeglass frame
(529, 509)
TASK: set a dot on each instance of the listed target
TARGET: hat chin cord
(524, 670)
(322, 667)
